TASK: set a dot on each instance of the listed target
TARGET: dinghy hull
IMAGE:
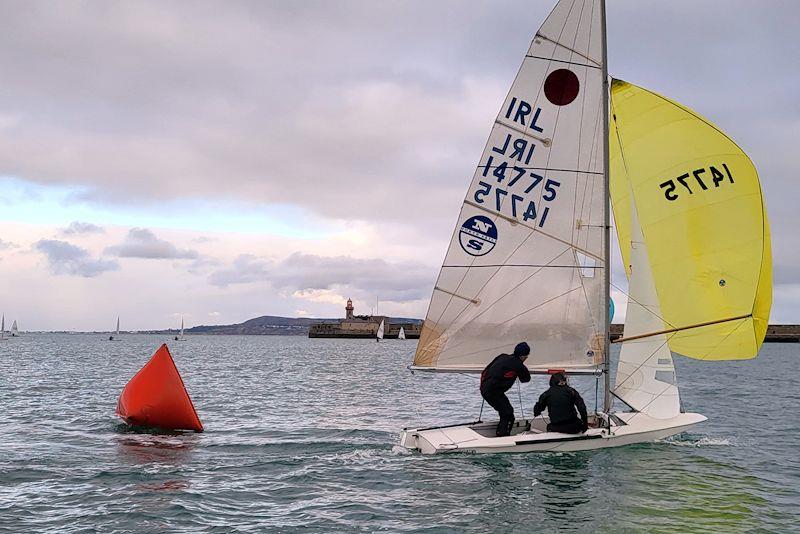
(477, 438)
(156, 397)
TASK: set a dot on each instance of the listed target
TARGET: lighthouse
(348, 310)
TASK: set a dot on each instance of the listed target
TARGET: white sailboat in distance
(3, 328)
(529, 259)
(115, 336)
(401, 334)
(379, 334)
(181, 336)
(14, 329)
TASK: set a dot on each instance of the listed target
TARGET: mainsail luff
(607, 398)
(527, 259)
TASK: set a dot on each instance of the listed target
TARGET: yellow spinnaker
(702, 214)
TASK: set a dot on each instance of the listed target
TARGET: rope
(480, 415)
(519, 392)
(596, 392)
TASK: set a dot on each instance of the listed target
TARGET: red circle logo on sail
(561, 87)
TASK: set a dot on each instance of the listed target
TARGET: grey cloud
(365, 278)
(5, 245)
(77, 227)
(204, 239)
(66, 258)
(192, 99)
(142, 243)
(245, 269)
(401, 281)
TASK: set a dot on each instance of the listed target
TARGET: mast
(607, 400)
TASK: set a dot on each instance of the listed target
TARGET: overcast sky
(223, 160)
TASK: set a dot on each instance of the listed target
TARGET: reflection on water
(711, 492)
(167, 485)
(155, 446)
(562, 482)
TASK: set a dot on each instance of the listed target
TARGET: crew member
(561, 401)
(498, 377)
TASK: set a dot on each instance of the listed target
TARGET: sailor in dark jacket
(561, 401)
(498, 377)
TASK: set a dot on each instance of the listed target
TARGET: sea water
(301, 435)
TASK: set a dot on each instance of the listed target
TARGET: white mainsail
(14, 329)
(380, 330)
(402, 334)
(528, 258)
(117, 332)
(3, 328)
(181, 336)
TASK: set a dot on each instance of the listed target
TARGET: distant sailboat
(402, 334)
(530, 257)
(116, 334)
(3, 328)
(379, 335)
(180, 336)
(14, 329)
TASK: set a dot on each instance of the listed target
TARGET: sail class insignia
(561, 87)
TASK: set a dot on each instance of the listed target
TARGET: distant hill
(271, 325)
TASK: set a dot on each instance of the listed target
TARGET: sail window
(667, 377)
(587, 265)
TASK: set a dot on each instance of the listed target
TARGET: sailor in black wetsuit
(561, 401)
(498, 377)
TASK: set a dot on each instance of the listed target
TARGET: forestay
(526, 261)
(702, 217)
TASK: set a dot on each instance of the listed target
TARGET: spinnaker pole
(607, 399)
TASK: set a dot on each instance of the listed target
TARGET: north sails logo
(478, 235)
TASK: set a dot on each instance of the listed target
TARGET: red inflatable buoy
(156, 396)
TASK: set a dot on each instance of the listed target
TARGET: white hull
(479, 437)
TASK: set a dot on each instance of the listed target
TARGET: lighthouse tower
(348, 309)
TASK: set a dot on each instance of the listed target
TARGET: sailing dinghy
(379, 334)
(115, 336)
(156, 397)
(181, 336)
(401, 334)
(3, 328)
(529, 259)
(14, 329)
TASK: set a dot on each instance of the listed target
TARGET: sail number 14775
(694, 179)
(517, 203)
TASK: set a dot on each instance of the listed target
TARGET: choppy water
(301, 435)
